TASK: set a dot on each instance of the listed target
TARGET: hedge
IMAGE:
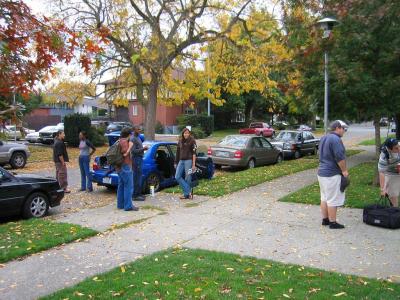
(203, 122)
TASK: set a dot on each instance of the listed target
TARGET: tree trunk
(397, 120)
(377, 126)
(151, 109)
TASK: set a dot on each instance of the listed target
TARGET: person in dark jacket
(137, 153)
(86, 150)
(186, 162)
(60, 158)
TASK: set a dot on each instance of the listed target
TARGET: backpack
(114, 155)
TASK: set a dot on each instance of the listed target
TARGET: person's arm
(194, 156)
(177, 154)
(137, 149)
(343, 168)
(130, 145)
(61, 158)
(90, 145)
(382, 183)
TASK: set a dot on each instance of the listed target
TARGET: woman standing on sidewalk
(185, 160)
(86, 150)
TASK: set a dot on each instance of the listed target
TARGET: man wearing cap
(137, 162)
(332, 166)
(389, 170)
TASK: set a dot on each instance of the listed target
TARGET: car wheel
(297, 154)
(251, 164)
(153, 179)
(279, 159)
(315, 151)
(36, 206)
(18, 160)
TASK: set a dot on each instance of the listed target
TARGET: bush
(96, 136)
(203, 122)
(159, 128)
(73, 124)
(198, 133)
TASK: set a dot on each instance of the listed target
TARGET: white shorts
(330, 190)
(392, 185)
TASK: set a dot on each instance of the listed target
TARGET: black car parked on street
(28, 195)
(296, 143)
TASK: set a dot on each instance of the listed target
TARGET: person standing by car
(125, 175)
(185, 160)
(389, 170)
(137, 162)
(86, 150)
(332, 166)
(60, 158)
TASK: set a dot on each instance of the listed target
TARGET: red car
(259, 128)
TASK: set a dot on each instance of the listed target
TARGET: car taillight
(238, 154)
(209, 152)
(95, 166)
(293, 147)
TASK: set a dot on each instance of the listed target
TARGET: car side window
(265, 143)
(256, 143)
(173, 149)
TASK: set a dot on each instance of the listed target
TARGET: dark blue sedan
(158, 167)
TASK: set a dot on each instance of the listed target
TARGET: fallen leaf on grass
(340, 294)
(286, 296)
(197, 290)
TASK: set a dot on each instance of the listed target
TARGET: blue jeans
(84, 161)
(125, 187)
(182, 169)
(137, 176)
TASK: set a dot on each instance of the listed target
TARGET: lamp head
(327, 23)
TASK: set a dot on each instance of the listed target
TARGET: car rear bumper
(235, 162)
(55, 197)
(104, 178)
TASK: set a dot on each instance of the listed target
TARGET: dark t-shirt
(137, 148)
(59, 149)
(331, 151)
(186, 149)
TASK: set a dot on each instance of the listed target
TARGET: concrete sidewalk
(249, 222)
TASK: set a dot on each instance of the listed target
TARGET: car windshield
(284, 135)
(256, 125)
(48, 128)
(237, 141)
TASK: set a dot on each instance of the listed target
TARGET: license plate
(222, 154)
(107, 180)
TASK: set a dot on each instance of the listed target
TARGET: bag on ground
(382, 215)
(114, 155)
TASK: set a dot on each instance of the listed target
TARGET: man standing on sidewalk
(332, 166)
(137, 162)
(60, 158)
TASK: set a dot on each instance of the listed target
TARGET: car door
(270, 154)
(307, 142)
(3, 152)
(12, 194)
(258, 151)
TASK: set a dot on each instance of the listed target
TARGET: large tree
(147, 36)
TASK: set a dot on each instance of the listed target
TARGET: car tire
(297, 154)
(279, 159)
(18, 160)
(315, 151)
(153, 179)
(35, 206)
(251, 163)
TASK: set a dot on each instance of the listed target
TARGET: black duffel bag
(381, 214)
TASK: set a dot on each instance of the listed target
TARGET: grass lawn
(200, 274)
(22, 238)
(220, 134)
(229, 182)
(371, 142)
(359, 193)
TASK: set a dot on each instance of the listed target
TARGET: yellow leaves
(69, 92)
(197, 290)
(123, 269)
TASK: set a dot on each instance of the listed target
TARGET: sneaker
(139, 198)
(335, 225)
(134, 208)
(325, 221)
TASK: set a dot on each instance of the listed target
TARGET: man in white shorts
(332, 165)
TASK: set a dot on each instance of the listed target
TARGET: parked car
(33, 137)
(393, 127)
(99, 124)
(14, 154)
(384, 121)
(296, 143)
(244, 151)
(158, 167)
(29, 195)
(117, 126)
(47, 134)
(258, 128)
(304, 127)
(12, 132)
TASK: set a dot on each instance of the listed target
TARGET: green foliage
(159, 128)
(73, 124)
(201, 274)
(21, 238)
(360, 192)
(96, 136)
(206, 123)
(198, 133)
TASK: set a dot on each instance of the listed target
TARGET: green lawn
(22, 238)
(229, 182)
(371, 142)
(201, 274)
(219, 134)
(358, 194)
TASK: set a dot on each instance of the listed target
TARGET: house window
(238, 117)
(134, 110)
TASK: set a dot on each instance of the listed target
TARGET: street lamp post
(327, 25)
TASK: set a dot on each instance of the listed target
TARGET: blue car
(158, 167)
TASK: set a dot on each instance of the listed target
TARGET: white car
(12, 133)
(393, 127)
(33, 137)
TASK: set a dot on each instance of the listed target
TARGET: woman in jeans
(125, 174)
(185, 160)
(86, 150)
